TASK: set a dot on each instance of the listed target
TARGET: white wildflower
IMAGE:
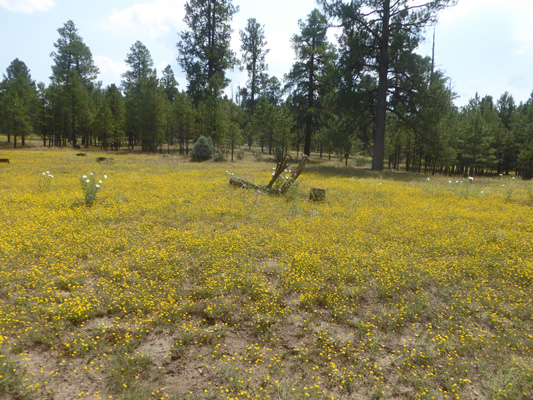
(97, 185)
(105, 176)
(100, 182)
(84, 176)
(88, 181)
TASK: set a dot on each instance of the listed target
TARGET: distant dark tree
(253, 50)
(314, 55)
(144, 100)
(18, 101)
(185, 119)
(504, 141)
(73, 76)
(169, 84)
(479, 124)
(204, 50)
(522, 127)
(140, 65)
(43, 115)
(110, 119)
(72, 54)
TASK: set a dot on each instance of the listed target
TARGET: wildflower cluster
(46, 180)
(90, 187)
(283, 178)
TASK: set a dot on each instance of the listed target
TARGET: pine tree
(378, 36)
(204, 50)
(18, 100)
(143, 99)
(73, 77)
(253, 57)
(314, 55)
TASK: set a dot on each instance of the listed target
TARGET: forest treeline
(367, 94)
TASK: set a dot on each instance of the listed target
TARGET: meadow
(173, 284)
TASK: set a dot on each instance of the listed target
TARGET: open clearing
(176, 285)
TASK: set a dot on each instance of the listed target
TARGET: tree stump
(317, 194)
(4, 160)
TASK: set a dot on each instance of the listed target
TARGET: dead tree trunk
(281, 167)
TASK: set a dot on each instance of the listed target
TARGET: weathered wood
(295, 174)
(282, 166)
(244, 184)
(4, 160)
(81, 155)
(317, 194)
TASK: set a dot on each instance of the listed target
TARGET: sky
(483, 46)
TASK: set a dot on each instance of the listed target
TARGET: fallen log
(244, 184)
(281, 167)
(4, 160)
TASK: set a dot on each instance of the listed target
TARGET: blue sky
(484, 46)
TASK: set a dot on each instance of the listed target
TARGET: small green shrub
(220, 156)
(258, 156)
(240, 154)
(202, 149)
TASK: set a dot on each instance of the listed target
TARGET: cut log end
(317, 194)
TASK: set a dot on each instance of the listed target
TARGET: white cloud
(27, 6)
(157, 18)
(522, 34)
(110, 71)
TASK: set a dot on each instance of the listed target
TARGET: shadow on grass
(361, 173)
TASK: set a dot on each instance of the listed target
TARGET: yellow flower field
(176, 285)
